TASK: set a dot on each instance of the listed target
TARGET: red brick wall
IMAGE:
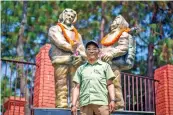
(164, 90)
(44, 85)
(14, 106)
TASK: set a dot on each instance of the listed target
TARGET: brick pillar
(164, 90)
(14, 106)
(44, 85)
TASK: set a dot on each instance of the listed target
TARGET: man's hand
(77, 60)
(74, 110)
(111, 106)
(107, 57)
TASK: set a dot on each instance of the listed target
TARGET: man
(67, 53)
(93, 82)
(119, 50)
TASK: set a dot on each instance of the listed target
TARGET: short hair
(62, 15)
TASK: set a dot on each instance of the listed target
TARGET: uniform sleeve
(109, 73)
(77, 76)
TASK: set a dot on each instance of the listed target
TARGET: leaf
(153, 26)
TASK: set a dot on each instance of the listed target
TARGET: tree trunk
(155, 11)
(102, 22)
(150, 60)
(150, 72)
(20, 53)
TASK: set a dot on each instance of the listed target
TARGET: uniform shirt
(92, 79)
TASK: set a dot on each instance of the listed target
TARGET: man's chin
(68, 23)
(92, 58)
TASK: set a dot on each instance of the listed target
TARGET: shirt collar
(97, 62)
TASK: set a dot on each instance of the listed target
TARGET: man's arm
(112, 95)
(122, 47)
(75, 94)
(119, 50)
(111, 89)
(76, 89)
(56, 37)
(81, 48)
(110, 76)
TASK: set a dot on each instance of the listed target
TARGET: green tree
(5, 91)
(164, 52)
(155, 20)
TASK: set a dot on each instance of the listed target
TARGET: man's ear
(86, 51)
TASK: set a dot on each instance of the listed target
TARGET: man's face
(92, 52)
(69, 18)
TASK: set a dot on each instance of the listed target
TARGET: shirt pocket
(99, 76)
(86, 75)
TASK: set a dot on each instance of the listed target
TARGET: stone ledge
(62, 111)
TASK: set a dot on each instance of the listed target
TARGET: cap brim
(91, 42)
